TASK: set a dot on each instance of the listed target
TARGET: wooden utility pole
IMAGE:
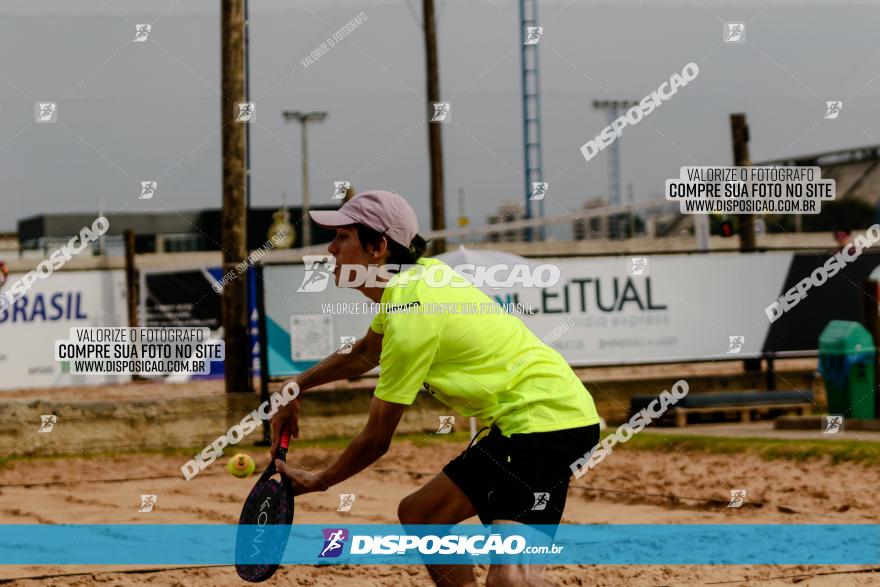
(234, 218)
(739, 131)
(435, 142)
(131, 278)
(131, 286)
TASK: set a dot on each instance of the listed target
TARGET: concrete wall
(96, 426)
(111, 425)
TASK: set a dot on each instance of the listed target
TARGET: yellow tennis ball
(241, 465)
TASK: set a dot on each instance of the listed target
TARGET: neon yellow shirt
(475, 358)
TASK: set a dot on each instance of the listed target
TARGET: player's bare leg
(440, 501)
(510, 575)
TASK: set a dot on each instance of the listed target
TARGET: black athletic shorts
(523, 478)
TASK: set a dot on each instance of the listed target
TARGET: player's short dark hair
(397, 253)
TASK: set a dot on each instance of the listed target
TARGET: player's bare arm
(366, 448)
(364, 356)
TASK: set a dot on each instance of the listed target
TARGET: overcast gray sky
(150, 111)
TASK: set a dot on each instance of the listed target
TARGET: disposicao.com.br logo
(334, 542)
(430, 544)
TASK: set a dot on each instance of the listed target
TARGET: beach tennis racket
(263, 528)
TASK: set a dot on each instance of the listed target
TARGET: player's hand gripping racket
(259, 547)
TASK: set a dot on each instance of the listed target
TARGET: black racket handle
(283, 444)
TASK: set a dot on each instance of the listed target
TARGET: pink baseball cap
(385, 212)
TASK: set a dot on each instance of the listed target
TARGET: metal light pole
(531, 112)
(612, 109)
(304, 118)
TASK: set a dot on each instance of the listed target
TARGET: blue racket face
(264, 527)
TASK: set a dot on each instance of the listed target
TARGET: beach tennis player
(487, 365)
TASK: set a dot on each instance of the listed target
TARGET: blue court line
(617, 544)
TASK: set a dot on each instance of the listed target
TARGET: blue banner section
(202, 544)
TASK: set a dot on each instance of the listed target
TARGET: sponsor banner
(614, 544)
(189, 298)
(604, 310)
(676, 308)
(840, 297)
(30, 326)
(671, 308)
(298, 333)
